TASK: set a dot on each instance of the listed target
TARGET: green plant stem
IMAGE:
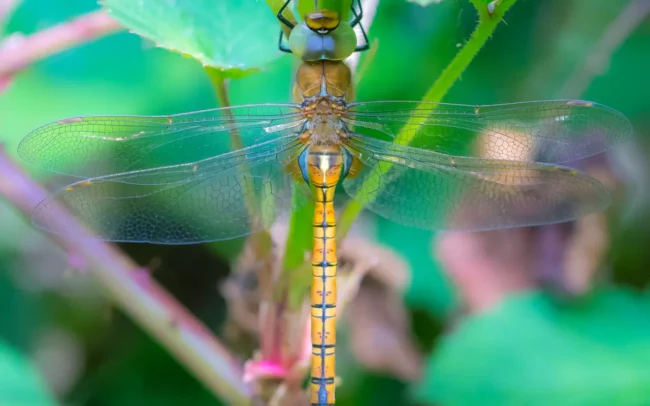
(296, 276)
(261, 240)
(220, 85)
(486, 25)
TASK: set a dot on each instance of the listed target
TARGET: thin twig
(135, 292)
(19, 51)
(627, 21)
(7, 8)
(488, 22)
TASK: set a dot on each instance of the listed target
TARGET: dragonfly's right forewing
(97, 146)
(425, 189)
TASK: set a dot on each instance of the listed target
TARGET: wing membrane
(541, 131)
(98, 146)
(219, 198)
(425, 189)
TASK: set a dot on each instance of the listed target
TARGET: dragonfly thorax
(323, 125)
(323, 78)
(322, 88)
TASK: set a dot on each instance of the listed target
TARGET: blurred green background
(62, 343)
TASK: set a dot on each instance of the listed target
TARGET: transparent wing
(98, 146)
(222, 197)
(425, 189)
(540, 131)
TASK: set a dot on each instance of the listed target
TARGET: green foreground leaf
(533, 351)
(237, 37)
(20, 383)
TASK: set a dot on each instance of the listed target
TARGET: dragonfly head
(321, 36)
(322, 21)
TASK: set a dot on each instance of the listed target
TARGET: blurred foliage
(528, 344)
(593, 352)
(20, 382)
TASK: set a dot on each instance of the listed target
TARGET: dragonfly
(228, 172)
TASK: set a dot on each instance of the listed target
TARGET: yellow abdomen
(324, 166)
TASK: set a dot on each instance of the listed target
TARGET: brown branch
(7, 8)
(135, 292)
(627, 21)
(19, 51)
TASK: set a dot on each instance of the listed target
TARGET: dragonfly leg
(281, 17)
(357, 17)
(282, 47)
(357, 21)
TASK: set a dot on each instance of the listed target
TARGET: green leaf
(534, 351)
(235, 36)
(20, 383)
(430, 288)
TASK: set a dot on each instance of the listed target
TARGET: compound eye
(322, 21)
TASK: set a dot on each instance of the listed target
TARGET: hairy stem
(262, 239)
(490, 15)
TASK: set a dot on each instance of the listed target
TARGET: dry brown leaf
(375, 315)
(488, 266)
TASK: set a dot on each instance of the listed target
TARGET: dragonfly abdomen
(324, 166)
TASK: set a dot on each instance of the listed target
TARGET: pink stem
(6, 8)
(144, 300)
(18, 51)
